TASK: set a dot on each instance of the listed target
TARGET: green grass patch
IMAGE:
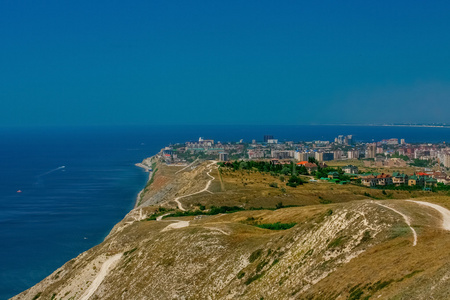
(276, 226)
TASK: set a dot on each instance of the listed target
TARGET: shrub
(273, 184)
(240, 274)
(294, 181)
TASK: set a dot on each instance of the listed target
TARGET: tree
(313, 160)
(294, 181)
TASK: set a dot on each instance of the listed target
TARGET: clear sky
(223, 62)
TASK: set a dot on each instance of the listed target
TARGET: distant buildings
(223, 156)
(344, 140)
(371, 150)
(267, 138)
(282, 154)
(350, 169)
(353, 154)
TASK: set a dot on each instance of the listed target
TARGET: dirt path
(444, 212)
(177, 199)
(177, 225)
(186, 166)
(107, 265)
(217, 229)
(407, 221)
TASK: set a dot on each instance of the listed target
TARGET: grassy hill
(347, 247)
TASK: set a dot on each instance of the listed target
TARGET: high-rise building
(223, 156)
(349, 139)
(267, 138)
(371, 150)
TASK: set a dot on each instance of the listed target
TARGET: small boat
(19, 191)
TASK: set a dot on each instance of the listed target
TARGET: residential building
(371, 150)
(399, 179)
(350, 169)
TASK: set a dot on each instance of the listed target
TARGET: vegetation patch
(255, 255)
(129, 252)
(276, 226)
(398, 231)
(410, 274)
(380, 285)
(260, 266)
(212, 211)
(366, 236)
(37, 295)
(337, 242)
(159, 212)
(273, 184)
(253, 278)
(240, 274)
(356, 294)
(324, 201)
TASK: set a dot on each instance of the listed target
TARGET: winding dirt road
(107, 265)
(407, 221)
(444, 212)
(177, 199)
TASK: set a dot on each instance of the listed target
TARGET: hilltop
(200, 232)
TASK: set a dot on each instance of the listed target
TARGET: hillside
(336, 243)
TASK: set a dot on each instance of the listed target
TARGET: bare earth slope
(355, 249)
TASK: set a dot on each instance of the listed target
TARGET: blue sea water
(62, 212)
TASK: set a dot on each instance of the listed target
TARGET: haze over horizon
(210, 62)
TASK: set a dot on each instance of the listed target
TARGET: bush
(273, 184)
(294, 181)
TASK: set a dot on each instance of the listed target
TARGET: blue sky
(223, 62)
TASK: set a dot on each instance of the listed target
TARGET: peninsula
(206, 227)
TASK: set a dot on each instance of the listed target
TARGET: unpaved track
(444, 212)
(177, 199)
(100, 276)
(407, 221)
(178, 224)
(187, 166)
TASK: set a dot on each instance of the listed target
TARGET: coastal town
(390, 163)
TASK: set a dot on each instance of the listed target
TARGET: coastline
(388, 125)
(146, 164)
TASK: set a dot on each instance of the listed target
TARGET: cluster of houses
(398, 179)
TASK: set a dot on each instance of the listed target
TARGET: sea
(76, 183)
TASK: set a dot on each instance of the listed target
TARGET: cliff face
(348, 250)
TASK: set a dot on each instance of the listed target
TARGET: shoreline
(147, 169)
(388, 125)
